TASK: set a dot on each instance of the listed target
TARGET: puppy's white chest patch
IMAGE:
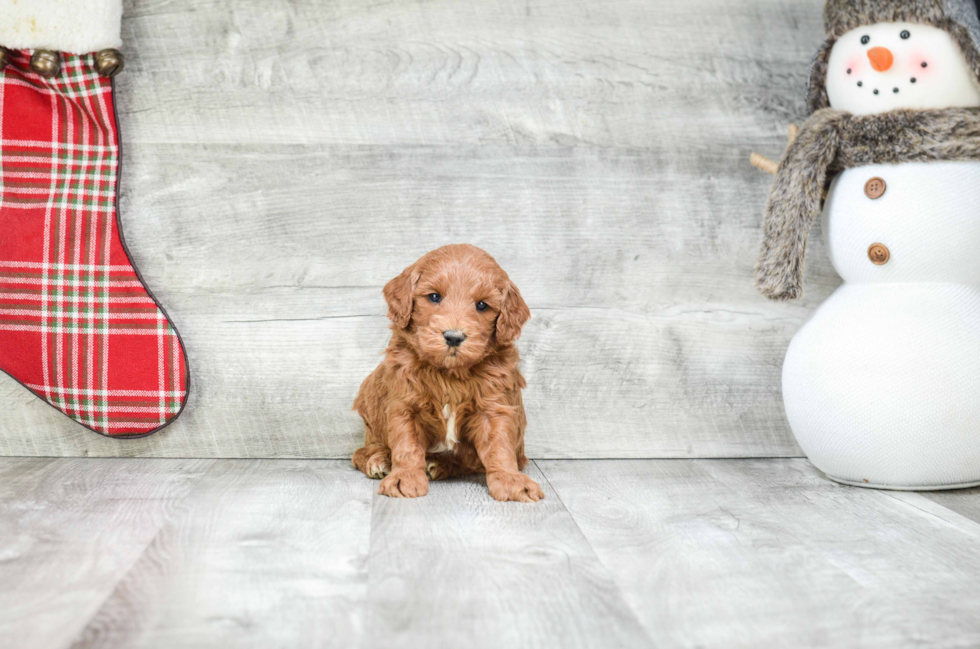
(450, 416)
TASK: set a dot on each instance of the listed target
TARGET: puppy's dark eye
(905, 33)
(481, 306)
(865, 40)
(435, 298)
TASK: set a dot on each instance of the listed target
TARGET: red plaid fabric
(77, 326)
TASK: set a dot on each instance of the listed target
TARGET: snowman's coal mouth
(895, 89)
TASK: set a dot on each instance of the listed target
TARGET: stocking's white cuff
(76, 26)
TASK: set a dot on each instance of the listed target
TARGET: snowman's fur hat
(957, 17)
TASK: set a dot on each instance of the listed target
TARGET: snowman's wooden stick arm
(769, 165)
(762, 162)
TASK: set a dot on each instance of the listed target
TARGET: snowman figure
(882, 385)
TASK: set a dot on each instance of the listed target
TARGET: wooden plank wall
(284, 159)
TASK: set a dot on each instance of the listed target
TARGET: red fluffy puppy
(446, 400)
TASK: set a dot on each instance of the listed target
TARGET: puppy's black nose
(454, 338)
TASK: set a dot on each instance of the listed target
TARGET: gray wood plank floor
(622, 553)
(460, 569)
(284, 159)
(264, 548)
(769, 553)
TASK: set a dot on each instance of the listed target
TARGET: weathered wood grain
(284, 160)
(965, 502)
(268, 554)
(752, 553)
(70, 529)
(627, 553)
(458, 569)
(666, 75)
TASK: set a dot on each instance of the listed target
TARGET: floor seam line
(122, 578)
(373, 494)
(609, 574)
(967, 522)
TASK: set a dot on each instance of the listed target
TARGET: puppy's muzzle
(453, 337)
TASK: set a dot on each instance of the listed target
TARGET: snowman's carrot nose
(881, 58)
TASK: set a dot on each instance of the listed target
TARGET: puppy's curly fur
(437, 407)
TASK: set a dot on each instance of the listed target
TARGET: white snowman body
(882, 384)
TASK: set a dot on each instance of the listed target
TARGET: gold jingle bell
(46, 63)
(109, 62)
(4, 59)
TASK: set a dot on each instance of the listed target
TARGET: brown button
(874, 188)
(878, 254)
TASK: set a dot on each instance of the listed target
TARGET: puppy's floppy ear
(513, 314)
(400, 295)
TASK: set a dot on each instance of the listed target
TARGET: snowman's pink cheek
(920, 66)
(854, 66)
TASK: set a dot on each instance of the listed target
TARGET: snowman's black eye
(905, 33)
(925, 65)
(865, 40)
(848, 70)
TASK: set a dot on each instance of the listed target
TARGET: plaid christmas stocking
(77, 326)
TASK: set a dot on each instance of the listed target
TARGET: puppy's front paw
(404, 484)
(377, 468)
(373, 461)
(506, 486)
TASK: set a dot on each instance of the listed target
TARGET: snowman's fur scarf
(841, 16)
(832, 141)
